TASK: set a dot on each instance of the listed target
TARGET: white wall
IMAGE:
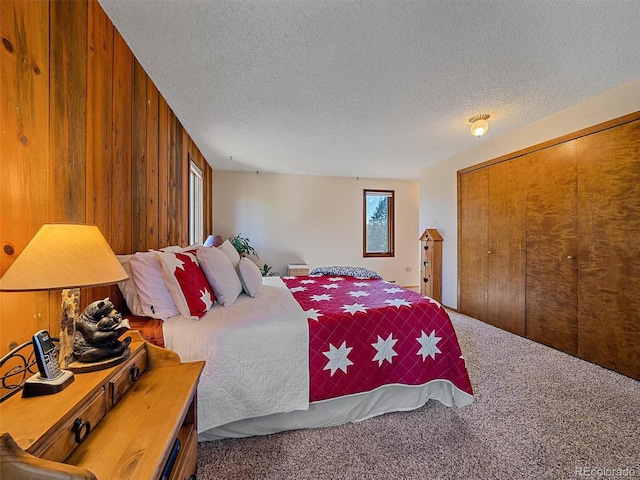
(315, 220)
(438, 182)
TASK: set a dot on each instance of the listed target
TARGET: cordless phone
(46, 356)
(50, 378)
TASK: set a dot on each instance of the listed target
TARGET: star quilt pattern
(366, 333)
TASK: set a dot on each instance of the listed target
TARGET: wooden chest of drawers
(116, 423)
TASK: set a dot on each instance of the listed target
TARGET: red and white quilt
(366, 333)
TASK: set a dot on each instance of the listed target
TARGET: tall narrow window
(196, 204)
(378, 223)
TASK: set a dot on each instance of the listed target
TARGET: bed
(315, 351)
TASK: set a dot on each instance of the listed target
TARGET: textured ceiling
(374, 89)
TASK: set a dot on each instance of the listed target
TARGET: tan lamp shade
(63, 255)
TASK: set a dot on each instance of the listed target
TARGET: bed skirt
(347, 409)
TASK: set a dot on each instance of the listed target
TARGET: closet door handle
(489, 252)
(570, 257)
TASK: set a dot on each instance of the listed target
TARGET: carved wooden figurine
(97, 332)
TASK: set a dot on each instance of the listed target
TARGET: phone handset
(50, 378)
(46, 356)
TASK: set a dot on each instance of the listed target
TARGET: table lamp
(65, 257)
(214, 241)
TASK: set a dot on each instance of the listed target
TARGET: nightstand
(120, 422)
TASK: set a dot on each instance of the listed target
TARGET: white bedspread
(256, 349)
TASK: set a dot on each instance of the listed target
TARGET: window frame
(196, 209)
(390, 252)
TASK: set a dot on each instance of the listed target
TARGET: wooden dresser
(116, 423)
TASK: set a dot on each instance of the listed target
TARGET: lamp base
(35, 385)
(82, 367)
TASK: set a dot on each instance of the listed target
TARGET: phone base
(36, 385)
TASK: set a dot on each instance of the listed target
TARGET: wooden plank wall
(85, 136)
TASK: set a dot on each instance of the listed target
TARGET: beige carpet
(539, 414)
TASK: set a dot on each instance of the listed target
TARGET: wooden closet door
(506, 251)
(552, 247)
(473, 221)
(609, 222)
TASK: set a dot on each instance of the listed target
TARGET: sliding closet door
(506, 252)
(473, 222)
(552, 247)
(609, 222)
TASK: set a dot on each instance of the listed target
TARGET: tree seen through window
(378, 225)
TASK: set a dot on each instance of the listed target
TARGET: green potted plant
(244, 248)
(242, 245)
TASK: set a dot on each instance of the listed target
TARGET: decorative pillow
(250, 277)
(228, 248)
(128, 287)
(171, 248)
(220, 274)
(186, 282)
(358, 272)
(154, 295)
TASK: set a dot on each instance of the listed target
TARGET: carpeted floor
(538, 414)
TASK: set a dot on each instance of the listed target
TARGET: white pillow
(128, 287)
(231, 252)
(220, 274)
(250, 277)
(154, 295)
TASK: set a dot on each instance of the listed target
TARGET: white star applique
(359, 293)
(297, 289)
(361, 284)
(307, 281)
(330, 286)
(205, 296)
(173, 262)
(313, 314)
(393, 290)
(338, 358)
(428, 345)
(398, 302)
(336, 279)
(385, 349)
(356, 307)
(288, 277)
(431, 300)
(319, 298)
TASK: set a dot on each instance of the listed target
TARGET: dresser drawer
(62, 442)
(126, 376)
(187, 463)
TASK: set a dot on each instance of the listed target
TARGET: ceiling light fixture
(479, 124)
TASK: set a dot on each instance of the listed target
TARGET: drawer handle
(81, 429)
(134, 372)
